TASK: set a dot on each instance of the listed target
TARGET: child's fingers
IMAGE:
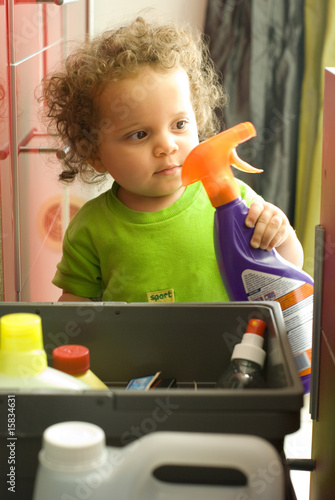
(274, 233)
(271, 227)
(255, 211)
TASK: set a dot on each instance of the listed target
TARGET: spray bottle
(245, 370)
(249, 273)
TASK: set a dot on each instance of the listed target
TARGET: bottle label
(296, 300)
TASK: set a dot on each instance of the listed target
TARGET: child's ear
(97, 164)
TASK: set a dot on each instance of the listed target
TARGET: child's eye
(181, 124)
(137, 136)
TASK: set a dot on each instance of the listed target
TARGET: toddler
(132, 103)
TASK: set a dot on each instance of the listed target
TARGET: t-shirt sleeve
(248, 194)
(79, 270)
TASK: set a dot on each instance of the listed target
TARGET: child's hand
(272, 227)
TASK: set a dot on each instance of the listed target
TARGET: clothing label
(296, 300)
(161, 296)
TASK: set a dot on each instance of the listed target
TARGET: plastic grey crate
(191, 342)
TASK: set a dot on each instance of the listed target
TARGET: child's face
(148, 129)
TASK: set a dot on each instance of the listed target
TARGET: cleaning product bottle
(247, 360)
(75, 360)
(248, 273)
(23, 360)
(75, 463)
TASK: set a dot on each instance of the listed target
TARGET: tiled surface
(29, 222)
(35, 26)
(6, 191)
(298, 445)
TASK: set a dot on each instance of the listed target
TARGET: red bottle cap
(72, 359)
(256, 326)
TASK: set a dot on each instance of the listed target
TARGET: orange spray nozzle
(210, 161)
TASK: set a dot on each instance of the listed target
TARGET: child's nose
(165, 145)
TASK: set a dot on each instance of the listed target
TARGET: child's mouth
(172, 170)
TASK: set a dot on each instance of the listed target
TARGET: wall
(323, 446)
(106, 14)
(4, 125)
(35, 207)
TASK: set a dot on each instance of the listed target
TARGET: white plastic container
(23, 360)
(75, 463)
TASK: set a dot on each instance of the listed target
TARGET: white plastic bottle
(23, 360)
(74, 463)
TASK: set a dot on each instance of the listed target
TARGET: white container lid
(249, 352)
(250, 348)
(73, 445)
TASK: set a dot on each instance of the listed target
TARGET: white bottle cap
(73, 445)
(250, 348)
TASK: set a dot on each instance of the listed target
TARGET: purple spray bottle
(248, 273)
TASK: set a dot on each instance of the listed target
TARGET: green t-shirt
(118, 254)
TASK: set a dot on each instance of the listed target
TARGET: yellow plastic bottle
(23, 360)
(75, 360)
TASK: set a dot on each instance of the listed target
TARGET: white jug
(75, 464)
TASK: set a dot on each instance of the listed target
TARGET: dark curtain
(257, 46)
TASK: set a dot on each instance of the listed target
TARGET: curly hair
(70, 95)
